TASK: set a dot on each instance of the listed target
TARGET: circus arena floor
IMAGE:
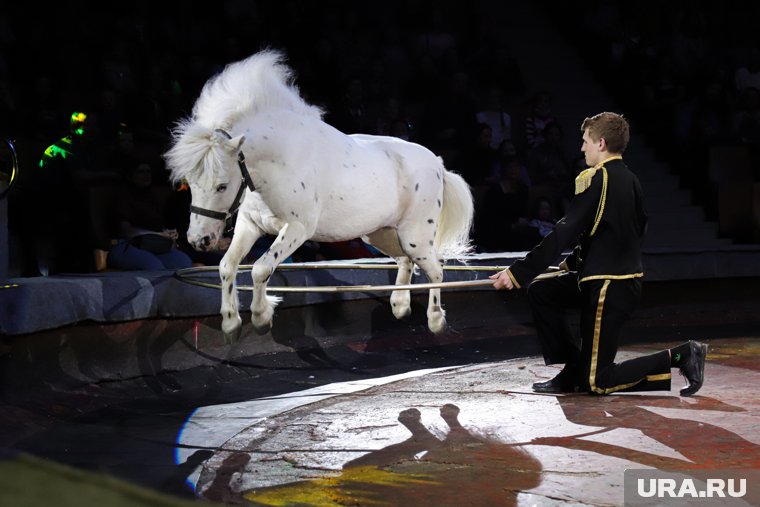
(120, 390)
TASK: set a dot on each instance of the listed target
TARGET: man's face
(592, 149)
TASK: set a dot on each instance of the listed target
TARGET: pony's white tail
(453, 238)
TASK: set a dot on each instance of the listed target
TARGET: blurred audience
(146, 241)
(501, 223)
(687, 75)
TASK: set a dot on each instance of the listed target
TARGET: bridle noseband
(246, 182)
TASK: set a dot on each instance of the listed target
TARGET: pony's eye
(221, 188)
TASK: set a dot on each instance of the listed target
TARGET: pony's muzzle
(202, 243)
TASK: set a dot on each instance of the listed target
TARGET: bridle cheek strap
(246, 183)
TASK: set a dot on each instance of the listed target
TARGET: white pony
(253, 138)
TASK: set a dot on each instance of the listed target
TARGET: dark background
(674, 69)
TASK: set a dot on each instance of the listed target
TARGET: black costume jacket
(605, 222)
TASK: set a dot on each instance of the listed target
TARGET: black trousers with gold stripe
(604, 306)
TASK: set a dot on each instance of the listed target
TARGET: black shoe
(693, 369)
(562, 383)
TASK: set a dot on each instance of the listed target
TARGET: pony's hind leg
(435, 312)
(242, 241)
(386, 240)
(418, 240)
(401, 299)
(291, 236)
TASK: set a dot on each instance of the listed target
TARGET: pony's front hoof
(233, 336)
(232, 329)
(437, 323)
(401, 304)
(401, 312)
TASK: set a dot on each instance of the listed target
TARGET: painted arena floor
(473, 434)
(476, 435)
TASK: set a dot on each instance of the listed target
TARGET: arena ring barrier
(185, 275)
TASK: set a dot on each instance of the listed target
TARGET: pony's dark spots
(303, 185)
(266, 138)
(431, 221)
(438, 175)
(387, 154)
(439, 203)
(416, 187)
(412, 245)
(230, 289)
(435, 300)
(276, 254)
(229, 315)
(431, 242)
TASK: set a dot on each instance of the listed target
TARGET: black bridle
(246, 182)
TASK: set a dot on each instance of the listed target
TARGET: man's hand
(170, 233)
(502, 280)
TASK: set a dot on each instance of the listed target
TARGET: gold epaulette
(583, 180)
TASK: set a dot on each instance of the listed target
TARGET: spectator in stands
(663, 90)
(506, 154)
(146, 241)
(500, 220)
(748, 74)
(478, 162)
(543, 216)
(402, 128)
(349, 114)
(494, 114)
(450, 118)
(388, 112)
(747, 117)
(548, 164)
(540, 116)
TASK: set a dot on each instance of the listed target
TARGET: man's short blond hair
(611, 127)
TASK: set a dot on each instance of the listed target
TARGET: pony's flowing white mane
(243, 88)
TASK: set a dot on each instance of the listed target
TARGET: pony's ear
(235, 144)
